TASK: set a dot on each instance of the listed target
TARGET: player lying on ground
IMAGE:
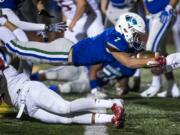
(119, 43)
(35, 99)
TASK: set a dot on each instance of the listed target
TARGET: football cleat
(151, 91)
(174, 92)
(119, 119)
(119, 102)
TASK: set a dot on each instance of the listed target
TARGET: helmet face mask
(132, 26)
(139, 40)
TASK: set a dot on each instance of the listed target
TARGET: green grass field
(153, 116)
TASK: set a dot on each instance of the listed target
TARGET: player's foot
(151, 91)
(119, 118)
(97, 94)
(174, 92)
(162, 94)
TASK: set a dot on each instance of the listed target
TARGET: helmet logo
(131, 20)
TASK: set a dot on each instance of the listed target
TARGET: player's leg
(24, 66)
(90, 118)
(156, 32)
(55, 52)
(49, 117)
(176, 33)
(42, 97)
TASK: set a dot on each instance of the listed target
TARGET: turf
(153, 116)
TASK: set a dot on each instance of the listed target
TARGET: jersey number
(117, 39)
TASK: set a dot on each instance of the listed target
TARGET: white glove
(166, 14)
(57, 27)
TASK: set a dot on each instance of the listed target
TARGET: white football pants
(47, 106)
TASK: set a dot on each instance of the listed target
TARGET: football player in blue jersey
(119, 43)
(160, 14)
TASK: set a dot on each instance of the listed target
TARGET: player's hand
(43, 12)
(161, 60)
(166, 14)
(57, 27)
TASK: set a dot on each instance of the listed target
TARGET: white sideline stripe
(96, 129)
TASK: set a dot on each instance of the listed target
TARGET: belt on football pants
(23, 93)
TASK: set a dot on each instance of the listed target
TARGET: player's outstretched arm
(132, 62)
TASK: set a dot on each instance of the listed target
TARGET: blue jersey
(12, 4)
(118, 3)
(155, 6)
(114, 70)
(91, 51)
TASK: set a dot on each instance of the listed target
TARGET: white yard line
(96, 129)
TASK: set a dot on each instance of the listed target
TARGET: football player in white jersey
(160, 16)
(36, 100)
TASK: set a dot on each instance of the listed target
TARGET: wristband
(168, 8)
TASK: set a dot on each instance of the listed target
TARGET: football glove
(166, 14)
(57, 27)
(161, 60)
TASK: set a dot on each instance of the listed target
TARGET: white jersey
(68, 7)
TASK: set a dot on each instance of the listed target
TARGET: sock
(83, 119)
(103, 118)
(84, 104)
(92, 118)
(156, 80)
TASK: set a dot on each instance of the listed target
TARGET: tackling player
(119, 43)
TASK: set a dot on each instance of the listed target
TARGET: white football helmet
(132, 26)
